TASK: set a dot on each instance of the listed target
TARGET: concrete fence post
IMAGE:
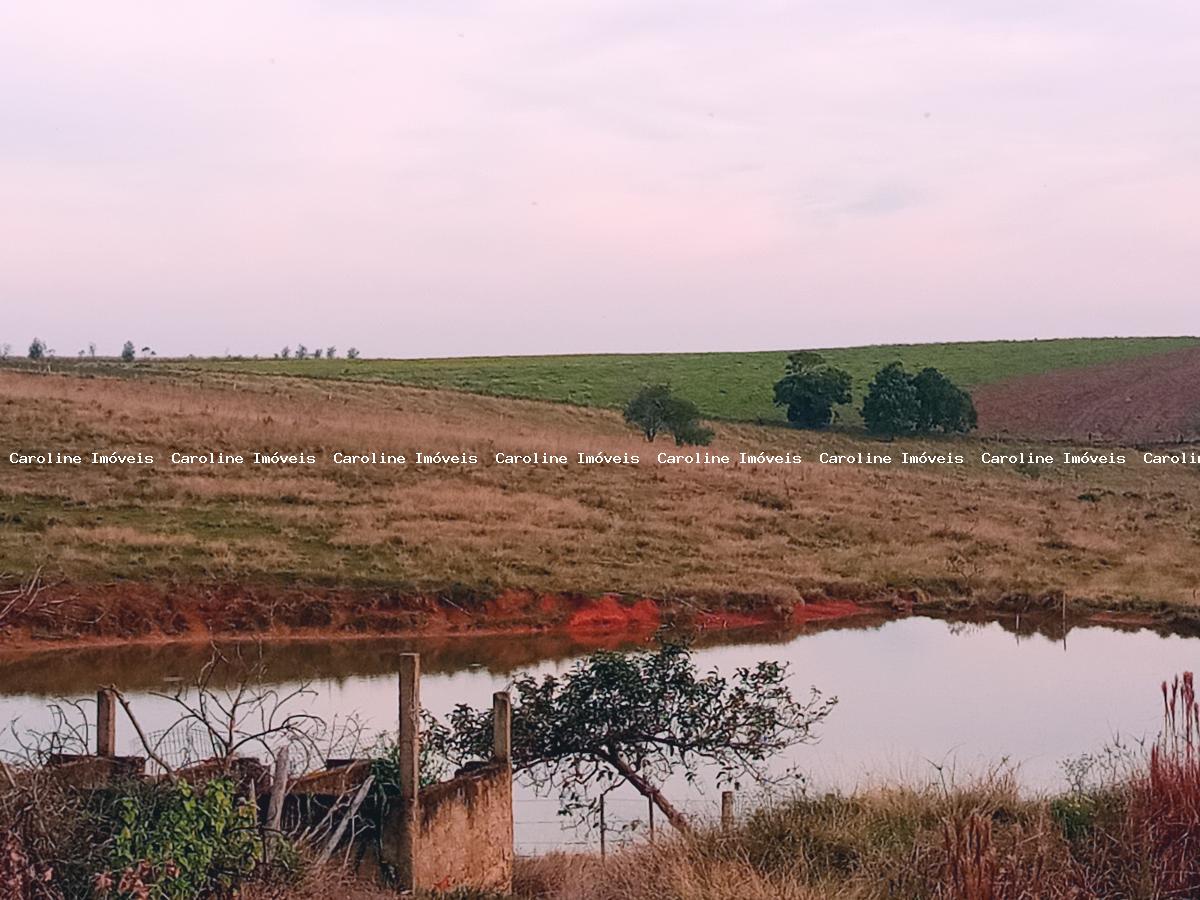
(106, 722)
(726, 810)
(502, 727)
(410, 764)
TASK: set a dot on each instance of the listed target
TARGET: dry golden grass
(1109, 533)
(674, 871)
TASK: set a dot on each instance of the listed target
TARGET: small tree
(639, 718)
(301, 352)
(317, 353)
(92, 349)
(37, 349)
(5, 350)
(942, 404)
(691, 432)
(330, 352)
(891, 406)
(127, 352)
(352, 353)
(683, 421)
(647, 410)
(285, 353)
(653, 409)
(810, 389)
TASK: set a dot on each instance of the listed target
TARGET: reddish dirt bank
(1139, 401)
(117, 613)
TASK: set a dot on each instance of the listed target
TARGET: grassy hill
(734, 386)
(770, 531)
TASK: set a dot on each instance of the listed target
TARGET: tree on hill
(810, 389)
(128, 352)
(891, 406)
(37, 349)
(654, 409)
(899, 403)
(943, 404)
(638, 719)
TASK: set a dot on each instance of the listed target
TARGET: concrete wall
(465, 832)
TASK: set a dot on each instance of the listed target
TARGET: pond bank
(122, 613)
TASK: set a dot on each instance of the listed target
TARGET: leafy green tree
(37, 349)
(639, 718)
(127, 352)
(810, 389)
(943, 404)
(891, 406)
(654, 409)
(647, 409)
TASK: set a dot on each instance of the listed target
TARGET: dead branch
(137, 726)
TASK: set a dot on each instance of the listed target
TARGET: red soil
(124, 612)
(608, 613)
(1154, 399)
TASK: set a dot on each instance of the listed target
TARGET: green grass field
(735, 386)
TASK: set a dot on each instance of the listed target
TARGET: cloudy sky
(442, 178)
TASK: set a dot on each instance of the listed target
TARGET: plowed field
(1155, 399)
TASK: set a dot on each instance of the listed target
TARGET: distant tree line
(40, 350)
(303, 352)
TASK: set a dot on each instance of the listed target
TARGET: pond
(918, 697)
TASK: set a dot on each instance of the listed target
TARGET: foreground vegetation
(734, 386)
(1128, 827)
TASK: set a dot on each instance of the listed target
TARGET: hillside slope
(772, 531)
(734, 386)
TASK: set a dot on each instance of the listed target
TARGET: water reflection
(914, 692)
(56, 673)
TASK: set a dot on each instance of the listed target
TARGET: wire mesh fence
(623, 822)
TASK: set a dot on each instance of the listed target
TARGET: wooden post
(278, 792)
(603, 847)
(106, 722)
(410, 764)
(726, 810)
(502, 727)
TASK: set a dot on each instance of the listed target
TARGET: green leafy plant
(180, 841)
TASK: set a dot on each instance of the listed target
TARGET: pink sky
(445, 178)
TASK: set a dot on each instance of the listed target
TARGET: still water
(915, 696)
